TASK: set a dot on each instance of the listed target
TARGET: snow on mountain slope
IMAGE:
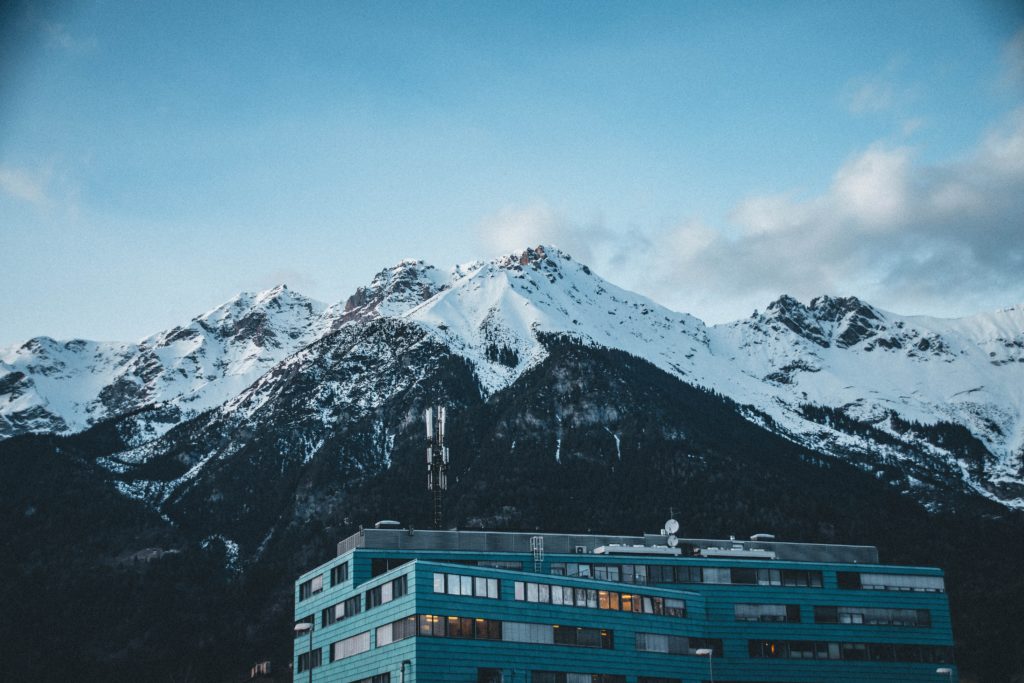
(391, 292)
(497, 312)
(841, 353)
(837, 375)
(46, 385)
(871, 364)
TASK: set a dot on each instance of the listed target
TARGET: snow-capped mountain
(919, 401)
(52, 386)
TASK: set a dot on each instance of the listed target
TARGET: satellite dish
(672, 541)
(671, 526)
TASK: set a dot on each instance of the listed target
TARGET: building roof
(568, 544)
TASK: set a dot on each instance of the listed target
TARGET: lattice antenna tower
(537, 550)
(437, 458)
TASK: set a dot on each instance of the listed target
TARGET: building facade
(404, 606)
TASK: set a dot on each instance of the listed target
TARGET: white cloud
(23, 185)
(872, 187)
(942, 239)
(870, 97)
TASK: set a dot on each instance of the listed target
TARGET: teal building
(401, 606)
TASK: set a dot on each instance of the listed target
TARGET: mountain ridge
(876, 369)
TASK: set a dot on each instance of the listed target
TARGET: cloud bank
(942, 239)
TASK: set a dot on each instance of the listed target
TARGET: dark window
(339, 574)
(713, 644)
(744, 575)
(657, 679)
(875, 652)
(583, 637)
(874, 616)
(379, 565)
(387, 592)
(826, 615)
(342, 610)
(547, 677)
(307, 589)
(489, 676)
(310, 660)
(848, 580)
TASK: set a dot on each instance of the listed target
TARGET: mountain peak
(393, 290)
(827, 320)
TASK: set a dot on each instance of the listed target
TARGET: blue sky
(157, 158)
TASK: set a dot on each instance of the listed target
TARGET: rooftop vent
(763, 537)
(387, 524)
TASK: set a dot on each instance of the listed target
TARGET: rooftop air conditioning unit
(581, 550)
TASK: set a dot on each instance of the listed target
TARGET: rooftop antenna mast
(437, 458)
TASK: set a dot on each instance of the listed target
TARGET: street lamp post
(302, 627)
(709, 653)
(945, 671)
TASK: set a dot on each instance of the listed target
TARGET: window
(387, 592)
(379, 678)
(310, 660)
(379, 565)
(350, 646)
(676, 645)
(451, 627)
(802, 578)
(396, 630)
(717, 575)
(343, 610)
(657, 679)
(890, 582)
(848, 580)
(516, 632)
(777, 613)
(308, 589)
(744, 575)
(477, 586)
(562, 677)
(339, 574)
(489, 676)
(583, 637)
(873, 652)
(570, 596)
(500, 564)
(902, 582)
(875, 616)
(547, 634)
